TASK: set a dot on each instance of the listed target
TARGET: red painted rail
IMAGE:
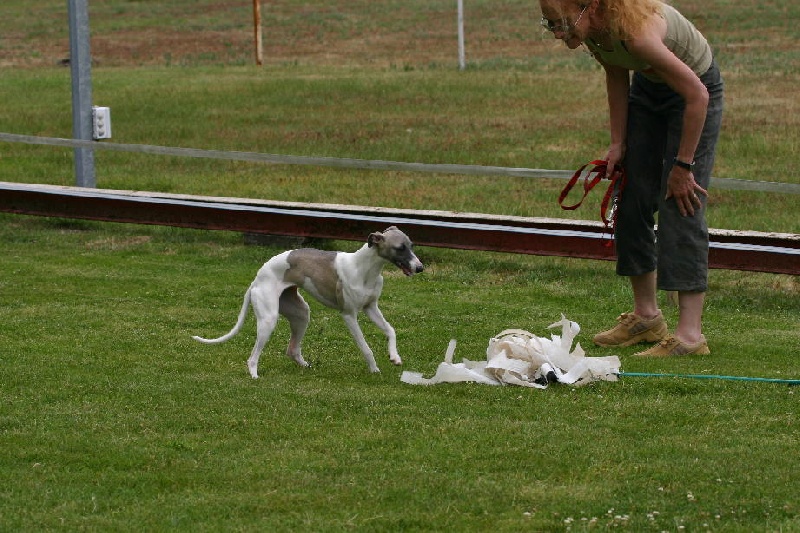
(737, 250)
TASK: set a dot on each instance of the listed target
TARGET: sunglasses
(562, 26)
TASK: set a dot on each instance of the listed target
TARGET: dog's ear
(391, 228)
(374, 238)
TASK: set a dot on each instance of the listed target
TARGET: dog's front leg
(351, 319)
(374, 314)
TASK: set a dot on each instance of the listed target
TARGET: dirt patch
(213, 32)
(116, 243)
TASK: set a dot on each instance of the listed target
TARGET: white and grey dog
(348, 282)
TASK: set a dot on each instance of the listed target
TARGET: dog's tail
(236, 328)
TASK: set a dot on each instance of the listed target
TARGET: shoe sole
(702, 350)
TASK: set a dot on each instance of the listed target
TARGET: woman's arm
(617, 87)
(649, 45)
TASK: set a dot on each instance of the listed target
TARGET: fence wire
(363, 164)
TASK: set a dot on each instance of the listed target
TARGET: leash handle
(598, 170)
(597, 173)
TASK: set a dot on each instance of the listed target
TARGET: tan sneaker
(672, 347)
(633, 329)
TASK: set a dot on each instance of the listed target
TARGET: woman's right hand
(614, 156)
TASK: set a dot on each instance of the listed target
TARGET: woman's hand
(614, 156)
(682, 186)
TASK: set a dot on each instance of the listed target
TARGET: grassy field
(113, 419)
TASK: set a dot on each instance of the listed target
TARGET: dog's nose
(420, 268)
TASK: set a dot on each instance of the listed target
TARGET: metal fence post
(81, 70)
(461, 55)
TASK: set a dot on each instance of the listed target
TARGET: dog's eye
(401, 248)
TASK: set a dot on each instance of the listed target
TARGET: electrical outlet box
(101, 122)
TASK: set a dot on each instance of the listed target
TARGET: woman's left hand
(682, 186)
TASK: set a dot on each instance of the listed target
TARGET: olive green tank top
(682, 39)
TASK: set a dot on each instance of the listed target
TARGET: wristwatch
(683, 164)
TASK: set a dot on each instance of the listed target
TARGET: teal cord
(710, 376)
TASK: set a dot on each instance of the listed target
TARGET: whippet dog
(348, 282)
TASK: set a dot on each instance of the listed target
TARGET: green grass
(113, 419)
(503, 118)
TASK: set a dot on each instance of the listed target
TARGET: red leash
(597, 173)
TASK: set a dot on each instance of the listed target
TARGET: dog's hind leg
(265, 307)
(296, 310)
(351, 319)
(374, 314)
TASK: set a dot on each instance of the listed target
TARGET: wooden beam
(737, 250)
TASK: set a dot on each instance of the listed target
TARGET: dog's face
(394, 246)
